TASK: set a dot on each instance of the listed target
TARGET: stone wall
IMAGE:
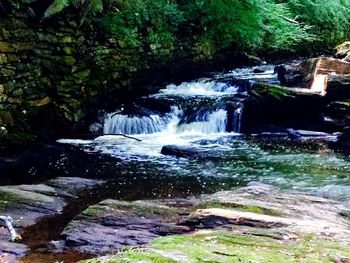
(53, 74)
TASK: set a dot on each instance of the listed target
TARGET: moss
(141, 207)
(228, 247)
(262, 91)
(9, 198)
(239, 207)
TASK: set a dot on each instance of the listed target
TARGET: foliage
(330, 19)
(155, 21)
(248, 25)
(251, 26)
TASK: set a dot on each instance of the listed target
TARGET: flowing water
(205, 116)
(204, 119)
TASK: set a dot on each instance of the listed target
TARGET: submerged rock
(184, 151)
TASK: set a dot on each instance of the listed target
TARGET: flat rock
(340, 192)
(26, 204)
(111, 225)
(259, 209)
(294, 212)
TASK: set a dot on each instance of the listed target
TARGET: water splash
(207, 123)
(199, 88)
(121, 123)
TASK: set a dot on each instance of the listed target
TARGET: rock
(27, 204)
(13, 250)
(308, 73)
(343, 50)
(184, 151)
(277, 225)
(337, 192)
(335, 71)
(299, 134)
(339, 86)
(289, 74)
(293, 106)
(111, 225)
(295, 212)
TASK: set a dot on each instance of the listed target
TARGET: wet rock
(289, 74)
(111, 225)
(338, 86)
(27, 204)
(337, 192)
(262, 206)
(270, 105)
(13, 250)
(300, 134)
(184, 151)
(256, 211)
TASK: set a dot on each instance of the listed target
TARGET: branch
(8, 223)
(293, 21)
(123, 135)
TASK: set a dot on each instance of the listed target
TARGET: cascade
(121, 123)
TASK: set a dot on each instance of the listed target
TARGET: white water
(119, 123)
(199, 88)
(234, 159)
(208, 123)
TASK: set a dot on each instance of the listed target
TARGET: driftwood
(123, 135)
(8, 223)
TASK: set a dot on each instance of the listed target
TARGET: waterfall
(237, 120)
(199, 88)
(209, 122)
(121, 123)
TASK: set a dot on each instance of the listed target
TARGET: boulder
(271, 106)
(289, 74)
(343, 51)
(321, 75)
(184, 151)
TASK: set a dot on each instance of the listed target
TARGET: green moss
(141, 207)
(239, 207)
(263, 91)
(228, 247)
(9, 198)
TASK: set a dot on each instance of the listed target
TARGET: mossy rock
(239, 207)
(229, 247)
